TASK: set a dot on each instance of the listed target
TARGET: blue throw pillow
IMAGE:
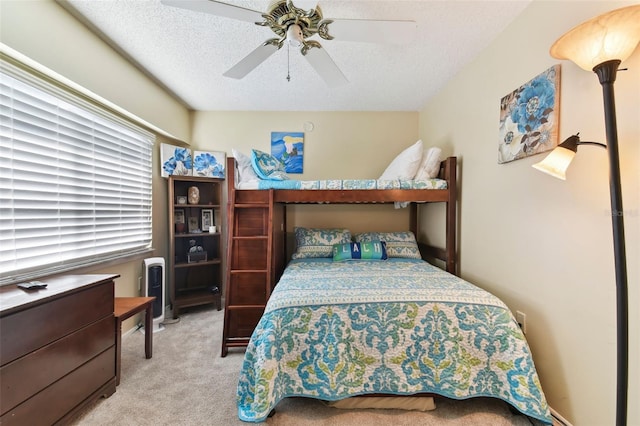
(267, 166)
(372, 250)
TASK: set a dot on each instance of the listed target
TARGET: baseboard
(558, 420)
(132, 330)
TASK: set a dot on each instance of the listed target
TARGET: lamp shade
(556, 163)
(613, 35)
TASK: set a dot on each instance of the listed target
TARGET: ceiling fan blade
(305, 4)
(253, 59)
(217, 8)
(369, 31)
(324, 65)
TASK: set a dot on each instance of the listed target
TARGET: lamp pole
(606, 72)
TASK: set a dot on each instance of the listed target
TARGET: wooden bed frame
(256, 244)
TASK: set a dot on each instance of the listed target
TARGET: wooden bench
(126, 307)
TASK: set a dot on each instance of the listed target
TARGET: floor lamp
(600, 45)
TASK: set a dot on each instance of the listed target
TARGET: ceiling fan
(295, 25)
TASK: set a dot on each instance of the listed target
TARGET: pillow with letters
(398, 244)
(372, 250)
(267, 166)
(315, 242)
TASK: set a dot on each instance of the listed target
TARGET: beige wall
(542, 244)
(48, 34)
(341, 145)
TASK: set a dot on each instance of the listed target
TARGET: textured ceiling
(189, 51)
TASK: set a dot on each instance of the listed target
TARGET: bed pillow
(373, 250)
(267, 166)
(430, 165)
(398, 244)
(244, 167)
(315, 242)
(406, 164)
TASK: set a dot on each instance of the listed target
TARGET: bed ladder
(250, 262)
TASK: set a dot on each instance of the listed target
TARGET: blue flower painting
(175, 160)
(288, 148)
(529, 117)
(209, 164)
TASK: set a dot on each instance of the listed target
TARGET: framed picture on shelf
(178, 215)
(207, 218)
(193, 225)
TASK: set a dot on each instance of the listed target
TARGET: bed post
(231, 174)
(450, 172)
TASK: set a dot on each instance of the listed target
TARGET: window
(75, 180)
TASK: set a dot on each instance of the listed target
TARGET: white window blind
(75, 180)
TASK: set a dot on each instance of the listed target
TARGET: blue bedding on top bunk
(337, 329)
(348, 184)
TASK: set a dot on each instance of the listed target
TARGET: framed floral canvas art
(529, 117)
(209, 164)
(175, 160)
(288, 148)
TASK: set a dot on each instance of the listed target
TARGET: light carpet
(187, 382)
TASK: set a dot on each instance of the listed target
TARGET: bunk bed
(331, 330)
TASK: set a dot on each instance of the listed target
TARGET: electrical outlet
(521, 318)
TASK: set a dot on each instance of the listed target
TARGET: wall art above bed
(288, 148)
(529, 117)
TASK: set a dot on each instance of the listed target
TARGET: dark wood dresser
(57, 348)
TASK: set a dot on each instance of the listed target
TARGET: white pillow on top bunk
(430, 165)
(405, 165)
(244, 168)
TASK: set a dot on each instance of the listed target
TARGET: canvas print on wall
(529, 117)
(288, 148)
(209, 164)
(175, 160)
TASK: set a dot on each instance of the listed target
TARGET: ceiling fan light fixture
(294, 35)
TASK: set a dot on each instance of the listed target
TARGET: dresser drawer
(35, 327)
(30, 374)
(54, 402)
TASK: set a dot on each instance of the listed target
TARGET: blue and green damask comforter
(337, 329)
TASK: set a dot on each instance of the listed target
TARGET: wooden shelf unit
(198, 282)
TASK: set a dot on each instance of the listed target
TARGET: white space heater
(153, 285)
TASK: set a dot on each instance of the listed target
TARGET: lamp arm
(601, 145)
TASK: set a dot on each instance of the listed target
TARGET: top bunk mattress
(343, 184)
